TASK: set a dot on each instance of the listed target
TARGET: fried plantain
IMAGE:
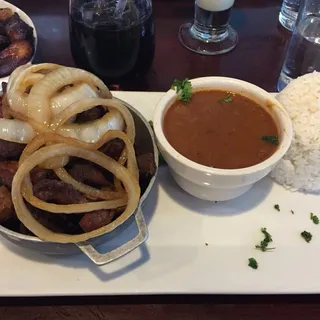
(3, 31)
(17, 29)
(5, 14)
(4, 42)
(17, 54)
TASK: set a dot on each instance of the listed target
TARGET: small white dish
(222, 184)
(26, 19)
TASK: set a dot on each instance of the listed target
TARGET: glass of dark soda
(114, 39)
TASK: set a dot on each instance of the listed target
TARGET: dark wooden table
(258, 59)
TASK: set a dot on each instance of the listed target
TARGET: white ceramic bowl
(222, 184)
(26, 19)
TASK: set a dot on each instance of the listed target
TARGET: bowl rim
(246, 88)
(26, 19)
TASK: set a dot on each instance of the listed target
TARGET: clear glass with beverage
(113, 39)
(303, 53)
(289, 13)
(210, 33)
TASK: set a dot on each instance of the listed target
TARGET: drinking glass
(289, 13)
(303, 53)
(210, 33)
(114, 39)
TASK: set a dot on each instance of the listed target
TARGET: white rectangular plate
(194, 246)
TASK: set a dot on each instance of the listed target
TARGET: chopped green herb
(292, 212)
(206, 244)
(267, 235)
(161, 159)
(277, 207)
(271, 139)
(227, 99)
(306, 236)
(183, 89)
(253, 263)
(263, 246)
(314, 218)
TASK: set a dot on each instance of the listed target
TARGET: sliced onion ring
(41, 140)
(94, 193)
(83, 105)
(15, 74)
(131, 186)
(92, 132)
(16, 131)
(132, 166)
(6, 110)
(42, 91)
(20, 80)
(67, 97)
(86, 104)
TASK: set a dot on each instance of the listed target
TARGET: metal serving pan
(145, 138)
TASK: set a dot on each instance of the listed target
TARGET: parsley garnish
(265, 242)
(306, 236)
(277, 207)
(227, 99)
(292, 211)
(314, 218)
(271, 139)
(183, 89)
(161, 159)
(253, 263)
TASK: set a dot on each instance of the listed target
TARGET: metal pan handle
(104, 258)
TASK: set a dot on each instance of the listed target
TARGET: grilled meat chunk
(113, 148)
(38, 174)
(62, 223)
(90, 115)
(55, 191)
(87, 173)
(10, 150)
(97, 219)
(147, 169)
(6, 205)
(146, 164)
(7, 171)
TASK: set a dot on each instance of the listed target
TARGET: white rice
(300, 167)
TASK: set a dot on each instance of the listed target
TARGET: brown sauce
(221, 130)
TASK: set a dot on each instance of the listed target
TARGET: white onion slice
(14, 75)
(16, 131)
(22, 78)
(70, 95)
(131, 186)
(92, 132)
(43, 90)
